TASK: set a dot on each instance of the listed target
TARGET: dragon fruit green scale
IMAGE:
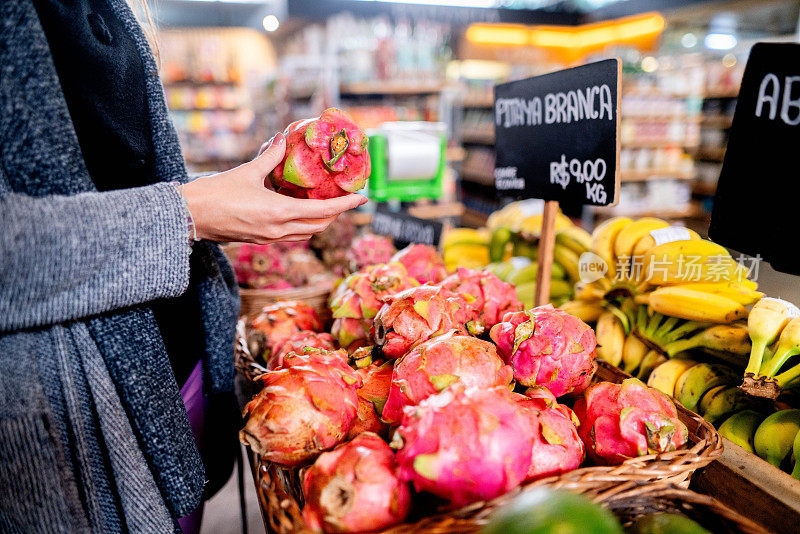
(325, 157)
(547, 347)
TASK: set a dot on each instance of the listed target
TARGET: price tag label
(405, 229)
(557, 135)
(670, 234)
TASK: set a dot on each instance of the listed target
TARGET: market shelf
(473, 218)
(477, 177)
(721, 92)
(403, 88)
(709, 153)
(718, 120)
(655, 174)
(703, 189)
(692, 211)
(656, 143)
(478, 101)
(481, 136)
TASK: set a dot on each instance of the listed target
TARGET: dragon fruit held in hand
(354, 488)
(423, 263)
(298, 343)
(465, 445)
(621, 421)
(277, 322)
(416, 315)
(435, 364)
(375, 380)
(307, 406)
(359, 297)
(488, 298)
(325, 157)
(369, 249)
(557, 447)
(547, 347)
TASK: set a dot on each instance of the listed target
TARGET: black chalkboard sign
(758, 196)
(557, 135)
(405, 229)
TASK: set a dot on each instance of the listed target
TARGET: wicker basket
(280, 494)
(254, 300)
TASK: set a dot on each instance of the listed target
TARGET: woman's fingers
(271, 156)
(323, 209)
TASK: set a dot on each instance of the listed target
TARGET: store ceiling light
(720, 41)
(270, 23)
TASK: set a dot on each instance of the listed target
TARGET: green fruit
(547, 511)
(665, 523)
(526, 249)
(740, 428)
(502, 270)
(497, 244)
(524, 275)
(774, 437)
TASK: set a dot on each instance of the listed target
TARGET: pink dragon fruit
(547, 347)
(372, 394)
(278, 322)
(423, 263)
(326, 157)
(297, 343)
(435, 364)
(354, 488)
(359, 297)
(465, 445)
(369, 249)
(621, 421)
(416, 315)
(488, 298)
(307, 406)
(557, 447)
(260, 266)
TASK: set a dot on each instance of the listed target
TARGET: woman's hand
(239, 205)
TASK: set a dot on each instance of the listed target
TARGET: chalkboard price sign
(758, 195)
(405, 229)
(557, 135)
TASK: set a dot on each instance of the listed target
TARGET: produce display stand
(752, 487)
(281, 500)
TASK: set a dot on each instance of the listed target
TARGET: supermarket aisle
(222, 516)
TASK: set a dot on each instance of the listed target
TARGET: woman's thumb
(271, 156)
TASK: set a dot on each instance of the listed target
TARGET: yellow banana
(633, 352)
(610, 338)
(593, 291)
(647, 242)
(575, 238)
(632, 233)
(588, 312)
(604, 237)
(468, 236)
(765, 323)
(774, 437)
(741, 293)
(721, 400)
(722, 337)
(698, 379)
(665, 376)
(568, 260)
(693, 305)
(682, 262)
(650, 361)
(740, 428)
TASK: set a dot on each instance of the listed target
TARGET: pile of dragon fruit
(435, 390)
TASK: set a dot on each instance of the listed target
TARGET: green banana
(726, 337)
(525, 249)
(497, 243)
(695, 381)
(740, 428)
(665, 376)
(528, 273)
(788, 346)
(719, 401)
(774, 437)
(568, 260)
(650, 361)
(765, 323)
(502, 270)
(796, 455)
(574, 238)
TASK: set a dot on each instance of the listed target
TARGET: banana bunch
(706, 388)
(524, 216)
(774, 329)
(466, 247)
(522, 271)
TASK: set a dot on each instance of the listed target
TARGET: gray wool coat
(93, 433)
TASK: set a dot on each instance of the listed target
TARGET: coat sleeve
(69, 257)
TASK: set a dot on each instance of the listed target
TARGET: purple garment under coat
(195, 403)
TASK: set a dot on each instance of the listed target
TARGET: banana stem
(626, 325)
(681, 345)
(756, 356)
(771, 367)
(665, 328)
(686, 328)
(786, 378)
(652, 324)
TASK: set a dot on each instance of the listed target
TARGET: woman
(113, 294)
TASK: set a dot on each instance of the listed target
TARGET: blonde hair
(142, 12)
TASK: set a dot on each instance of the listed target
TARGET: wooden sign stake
(547, 241)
